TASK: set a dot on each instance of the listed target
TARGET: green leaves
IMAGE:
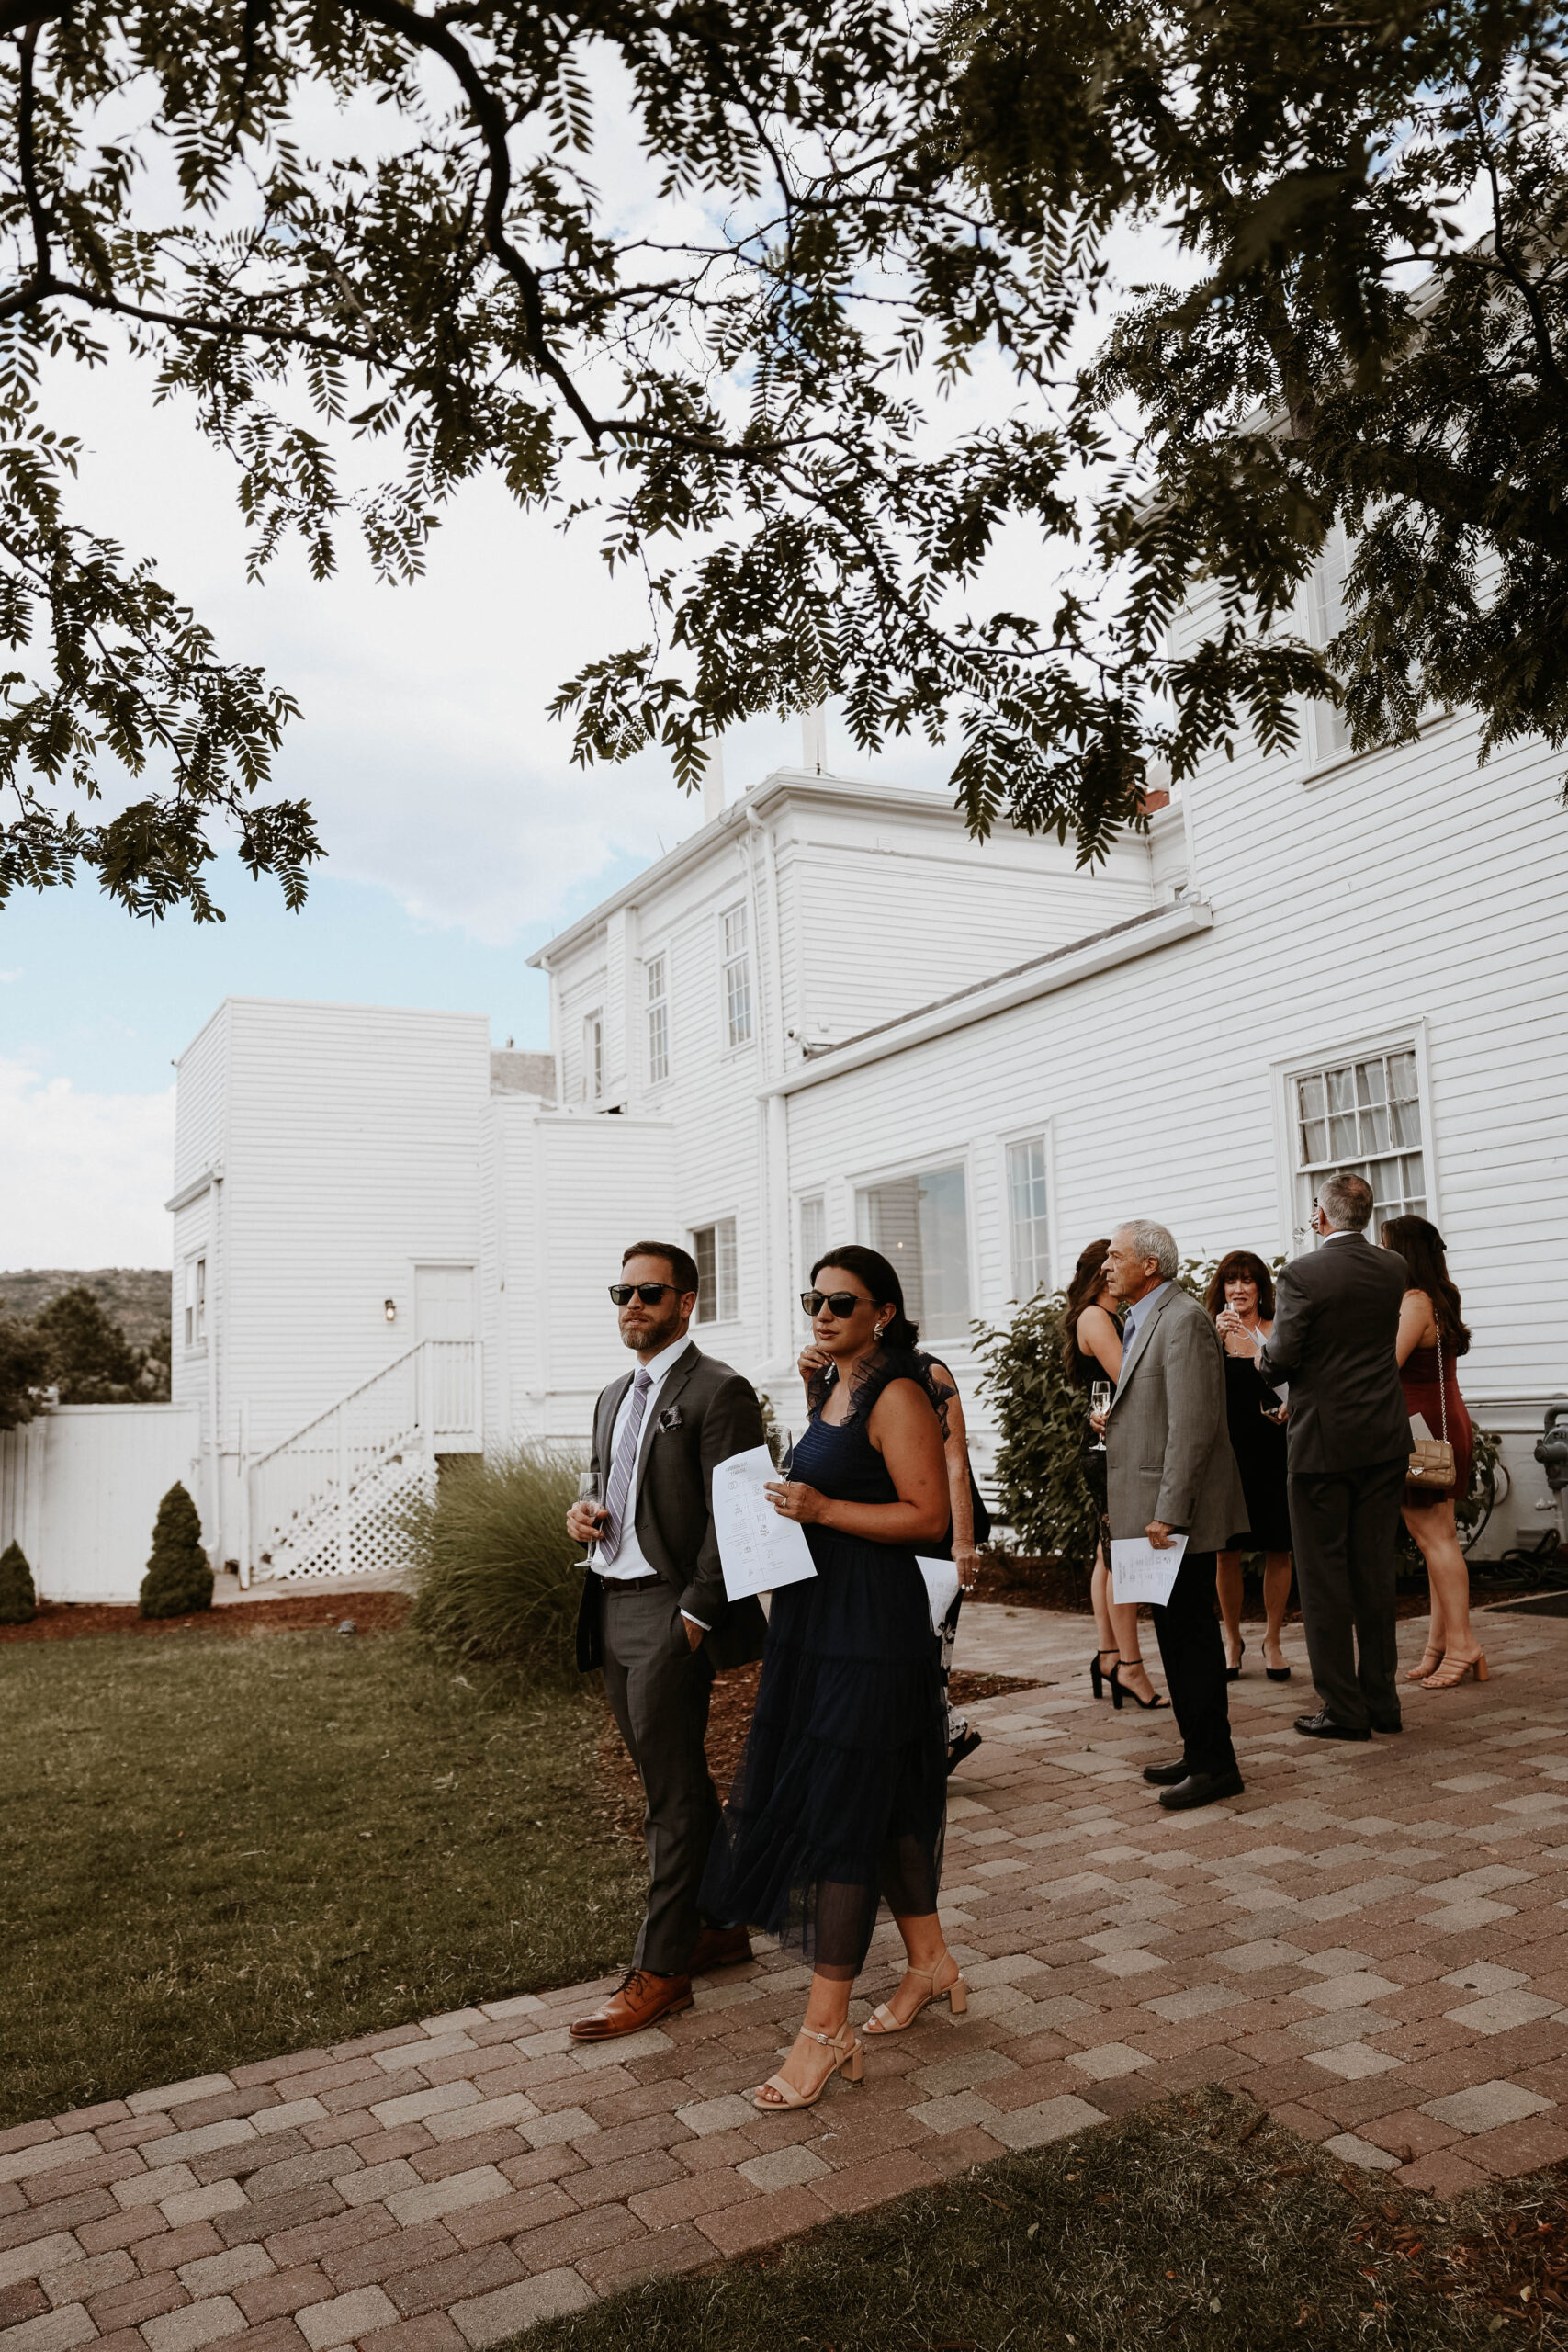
(822, 348)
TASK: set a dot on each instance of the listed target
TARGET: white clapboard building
(831, 1014)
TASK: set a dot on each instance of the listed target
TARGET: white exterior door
(444, 1301)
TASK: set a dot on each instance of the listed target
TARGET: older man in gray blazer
(1171, 1472)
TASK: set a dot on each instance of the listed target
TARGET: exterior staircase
(332, 1499)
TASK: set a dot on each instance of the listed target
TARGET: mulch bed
(372, 1613)
(1024, 1583)
(730, 1720)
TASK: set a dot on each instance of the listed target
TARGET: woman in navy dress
(842, 1796)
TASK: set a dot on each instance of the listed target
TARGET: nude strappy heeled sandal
(1428, 1663)
(956, 1995)
(849, 2060)
(1453, 1671)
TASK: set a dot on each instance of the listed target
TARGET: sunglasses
(841, 1303)
(622, 1293)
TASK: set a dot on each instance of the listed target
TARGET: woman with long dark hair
(1241, 1300)
(1432, 1336)
(842, 1796)
(1091, 1350)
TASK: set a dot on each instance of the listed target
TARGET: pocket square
(670, 1419)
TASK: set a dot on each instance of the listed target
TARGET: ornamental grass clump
(18, 1602)
(496, 1575)
(179, 1576)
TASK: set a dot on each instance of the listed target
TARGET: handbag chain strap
(1442, 1381)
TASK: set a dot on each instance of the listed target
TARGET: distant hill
(138, 1298)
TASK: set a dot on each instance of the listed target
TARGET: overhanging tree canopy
(745, 399)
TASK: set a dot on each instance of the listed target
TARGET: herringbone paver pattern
(1373, 1942)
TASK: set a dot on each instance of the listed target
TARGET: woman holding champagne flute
(1241, 1300)
(1091, 1350)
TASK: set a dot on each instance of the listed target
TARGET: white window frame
(1403, 1037)
(1031, 1138)
(816, 1199)
(194, 1312)
(933, 1163)
(717, 1302)
(658, 1003)
(593, 1054)
(735, 974)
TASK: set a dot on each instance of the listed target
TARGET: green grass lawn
(217, 1850)
(1195, 2226)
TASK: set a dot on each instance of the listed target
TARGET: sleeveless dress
(841, 1795)
(1087, 1370)
(1423, 1395)
(1259, 1449)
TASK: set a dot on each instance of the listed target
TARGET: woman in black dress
(842, 1796)
(1241, 1300)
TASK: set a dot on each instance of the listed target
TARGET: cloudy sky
(460, 835)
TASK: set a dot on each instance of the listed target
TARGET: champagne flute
(1099, 1395)
(590, 1489)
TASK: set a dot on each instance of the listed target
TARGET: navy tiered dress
(841, 1795)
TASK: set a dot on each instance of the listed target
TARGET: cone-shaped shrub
(18, 1602)
(177, 1578)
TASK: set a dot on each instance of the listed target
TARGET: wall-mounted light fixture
(390, 1310)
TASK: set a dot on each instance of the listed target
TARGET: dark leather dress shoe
(640, 1999)
(718, 1948)
(1323, 1726)
(1165, 1776)
(1388, 1729)
(1202, 1788)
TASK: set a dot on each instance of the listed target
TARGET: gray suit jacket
(703, 1413)
(1168, 1450)
(1336, 1320)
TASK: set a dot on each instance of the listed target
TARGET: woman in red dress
(1432, 1336)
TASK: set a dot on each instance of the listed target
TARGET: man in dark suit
(655, 1615)
(1335, 1318)
(1171, 1471)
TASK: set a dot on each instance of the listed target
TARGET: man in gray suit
(655, 1615)
(1336, 1320)
(1171, 1471)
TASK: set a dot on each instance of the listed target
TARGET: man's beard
(653, 1336)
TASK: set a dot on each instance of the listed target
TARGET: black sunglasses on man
(622, 1293)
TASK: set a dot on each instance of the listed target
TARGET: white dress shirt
(630, 1562)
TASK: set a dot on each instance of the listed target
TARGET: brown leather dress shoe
(640, 1999)
(718, 1948)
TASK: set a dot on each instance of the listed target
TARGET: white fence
(80, 1489)
(329, 1500)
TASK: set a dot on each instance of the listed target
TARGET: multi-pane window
(921, 1225)
(196, 1303)
(1026, 1213)
(658, 1021)
(592, 1057)
(1330, 729)
(737, 963)
(718, 1291)
(1363, 1115)
(813, 1233)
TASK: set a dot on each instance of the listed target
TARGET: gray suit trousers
(658, 1688)
(1345, 1524)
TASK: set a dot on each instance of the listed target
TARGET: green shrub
(1041, 1491)
(18, 1602)
(496, 1575)
(178, 1576)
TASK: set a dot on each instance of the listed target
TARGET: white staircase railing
(328, 1499)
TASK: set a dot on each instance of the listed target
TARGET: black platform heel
(1097, 1678)
(1119, 1689)
(1233, 1673)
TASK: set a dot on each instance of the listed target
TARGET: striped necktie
(623, 1466)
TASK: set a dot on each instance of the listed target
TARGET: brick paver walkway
(1373, 1942)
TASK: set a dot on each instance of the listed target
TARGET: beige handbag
(1432, 1466)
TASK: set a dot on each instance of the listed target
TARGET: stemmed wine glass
(1099, 1395)
(590, 1489)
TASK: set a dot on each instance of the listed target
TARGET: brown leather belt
(628, 1584)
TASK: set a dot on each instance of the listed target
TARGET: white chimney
(713, 781)
(814, 740)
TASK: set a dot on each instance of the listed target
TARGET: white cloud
(83, 1177)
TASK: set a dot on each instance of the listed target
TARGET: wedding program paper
(941, 1588)
(1140, 1573)
(758, 1550)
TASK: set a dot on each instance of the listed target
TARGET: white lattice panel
(378, 1542)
